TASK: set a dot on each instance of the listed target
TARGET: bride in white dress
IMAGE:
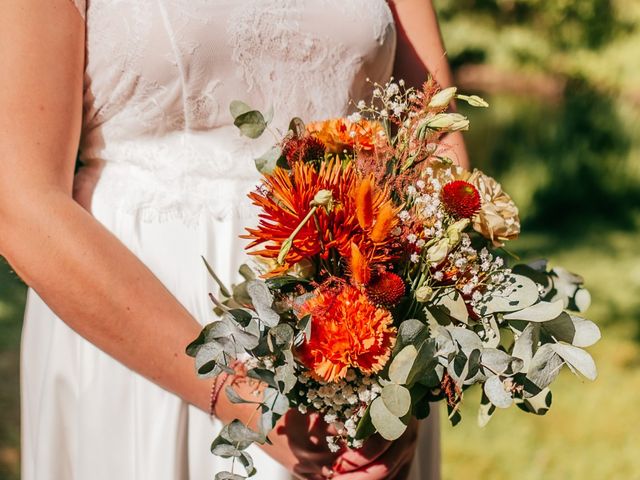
(112, 256)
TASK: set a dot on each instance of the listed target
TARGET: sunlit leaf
(388, 425)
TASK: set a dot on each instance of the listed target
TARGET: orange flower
(285, 200)
(342, 136)
(347, 331)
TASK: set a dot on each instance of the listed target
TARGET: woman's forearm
(101, 289)
(420, 52)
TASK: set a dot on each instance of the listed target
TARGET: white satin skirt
(85, 416)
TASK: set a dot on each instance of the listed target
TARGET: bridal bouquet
(381, 284)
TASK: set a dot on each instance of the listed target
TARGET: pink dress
(165, 171)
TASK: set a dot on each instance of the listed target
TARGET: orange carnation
(347, 331)
(342, 136)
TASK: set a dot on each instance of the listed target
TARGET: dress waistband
(183, 176)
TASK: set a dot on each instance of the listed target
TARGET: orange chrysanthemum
(285, 200)
(347, 331)
(340, 135)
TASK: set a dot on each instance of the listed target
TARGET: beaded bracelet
(215, 391)
(240, 371)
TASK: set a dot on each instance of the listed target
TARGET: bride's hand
(298, 442)
(379, 459)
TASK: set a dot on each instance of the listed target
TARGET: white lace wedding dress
(167, 173)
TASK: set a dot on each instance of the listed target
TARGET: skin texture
(86, 275)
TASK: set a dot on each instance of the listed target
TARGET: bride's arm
(420, 52)
(86, 275)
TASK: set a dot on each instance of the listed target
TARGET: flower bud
(448, 121)
(284, 249)
(454, 231)
(442, 98)
(438, 251)
(322, 198)
(474, 100)
(424, 294)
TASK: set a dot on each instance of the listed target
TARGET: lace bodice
(160, 75)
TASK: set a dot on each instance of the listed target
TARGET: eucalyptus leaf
(239, 338)
(285, 282)
(498, 362)
(237, 108)
(410, 332)
(365, 427)
(539, 312)
(246, 272)
(518, 293)
(238, 432)
(262, 300)
(540, 277)
(496, 393)
(229, 476)
(467, 339)
(234, 397)
(280, 337)
(397, 399)
(247, 463)
(401, 364)
(225, 450)
(241, 296)
(304, 326)
(545, 366)
(454, 305)
(251, 124)
(561, 328)
(587, 332)
(474, 365)
(265, 376)
(538, 404)
(491, 332)
(425, 360)
(241, 316)
(388, 425)
(454, 415)
(223, 289)
(275, 401)
(486, 411)
(582, 299)
(216, 330)
(577, 358)
(268, 161)
(286, 375)
(208, 356)
(526, 344)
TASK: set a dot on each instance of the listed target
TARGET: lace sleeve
(81, 5)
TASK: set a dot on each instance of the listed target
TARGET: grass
(12, 297)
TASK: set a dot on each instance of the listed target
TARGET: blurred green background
(562, 135)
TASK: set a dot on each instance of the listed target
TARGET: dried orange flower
(339, 135)
(347, 331)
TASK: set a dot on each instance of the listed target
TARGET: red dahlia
(461, 199)
(303, 149)
(386, 289)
